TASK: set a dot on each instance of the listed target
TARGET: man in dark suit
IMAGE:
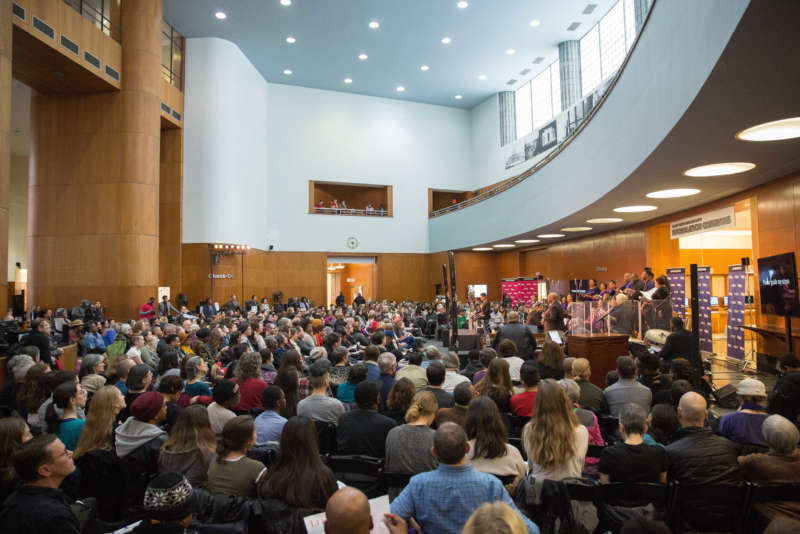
(681, 344)
(519, 334)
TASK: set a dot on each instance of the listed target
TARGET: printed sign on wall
(704, 302)
(737, 275)
(677, 283)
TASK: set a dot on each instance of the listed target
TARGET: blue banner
(677, 290)
(704, 302)
(737, 276)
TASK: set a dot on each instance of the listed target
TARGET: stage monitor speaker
(726, 396)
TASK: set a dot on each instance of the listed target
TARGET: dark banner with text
(737, 275)
(704, 302)
(677, 284)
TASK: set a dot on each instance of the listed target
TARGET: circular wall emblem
(352, 242)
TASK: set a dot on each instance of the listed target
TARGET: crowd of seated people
(231, 409)
(340, 207)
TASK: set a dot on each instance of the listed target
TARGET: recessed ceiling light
(673, 193)
(534, 23)
(348, 80)
(481, 76)
(635, 209)
(446, 40)
(549, 236)
(604, 220)
(458, 97)
(374, 24)
(576, 229)
(286, 2)
(424, 68)
(400, 88)
(221, 15)
(511, 51)
(481, 249)
(526, 241)
(462, 4)
(719, 169)
(287, 72)
(504, 245)
(291, 40)
(772, 131)
(362, 57)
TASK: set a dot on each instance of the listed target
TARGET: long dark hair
(236, 433)
(484, 425)
(287, 380)
(291, 359)
(298, 460)
(61, 396)
(663, 423)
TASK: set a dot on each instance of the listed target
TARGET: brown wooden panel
(356, 196)
(170, 209)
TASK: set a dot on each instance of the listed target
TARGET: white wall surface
(342, 137)
(225, 185)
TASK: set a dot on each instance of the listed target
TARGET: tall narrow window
(630, 23)
(542, 98)
(612, 41)
(522, 102)
(590, 61)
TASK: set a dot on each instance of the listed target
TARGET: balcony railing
(348, 211)
(100, 18)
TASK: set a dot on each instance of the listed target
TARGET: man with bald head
(698, 456)
(347, 512)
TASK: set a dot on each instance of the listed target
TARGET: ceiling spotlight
(286, 2)
(511, 51)
(362, 57)
(446, 40)
(221, 15)
(719, 169)
(673, 193)
(291, 40)
(534, 23)
(604, 220)
(481, 249)
(287, 72)
(504, 245)
(549, 236)
(772, 131)
(526, 241)
(374, 24)
(424, 68)
(400, 88)
(576, 229)
(635, 209)
(458, 97)
(462, 4)
(481, 76)
(348, 80)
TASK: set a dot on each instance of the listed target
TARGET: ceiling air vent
(523, 72)
(589, 8)
(18, 11)
(67, 43)
(165, 108)
(42, 26)
(574, 26)
(112, 73)
(538, 60)
(91, 59)
(511, 82)
(176, 114)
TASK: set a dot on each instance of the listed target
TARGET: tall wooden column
(5, 139)
(94, 181)
(171, 209)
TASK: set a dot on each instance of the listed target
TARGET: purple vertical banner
(677, 284)
(736, 303)
(704, 302)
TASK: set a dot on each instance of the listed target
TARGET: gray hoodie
(132, 434)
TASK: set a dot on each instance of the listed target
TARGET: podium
(602, 351)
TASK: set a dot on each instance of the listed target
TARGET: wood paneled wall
(717, 259)
(170, 209)
(5, 133)
(361, 274)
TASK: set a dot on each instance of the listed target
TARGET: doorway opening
(351, 276)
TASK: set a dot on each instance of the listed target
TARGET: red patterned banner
(521, 290)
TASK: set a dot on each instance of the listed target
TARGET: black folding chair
(362, 472)
(709, 507)
(516, 422)
(395, 481)
(594, 451)
(326, 437)
(517, 442)
(263, 453)
(763, 494)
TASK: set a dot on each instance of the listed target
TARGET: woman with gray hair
(196, 369)
(781, 465)
(92, 367)
(17, 367)
(251, 384)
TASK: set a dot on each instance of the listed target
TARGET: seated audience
(698, 456)
(408, 446)
(680, 370)
(522, 403)
(288, 380)
(441, 501)
(662, 423)
(496, 384)
(348, 512)
(231, 471)
(14, 431)
(436, 374)
(51, 382)
(364, 430)
(462, 396)
(338, 373)
(196, 369)
(744, 425)
(318, 406)
(585, 417)
(554, 441)
(781, 465)
(387, 364)
(489, 450)
(568, 367)
(226, 396)
(626, 389)
(346, 391)
(452, 378)
(473, 364)
(298, 459)
(633, 460)
(682, 343)
(33, 392)
(497, 517)
(251, 385)
(785, 398)
(521, 337)
(92, 367)
(139, 380)
(591, 396)
(551, 361)
(399, 400)
(123, 367)
(38, 506)
(190, 446)
(648, 368)
(67, 426)
(487, 354)
(507, 351)
(269, 423)
(169, 505)
(414, 371)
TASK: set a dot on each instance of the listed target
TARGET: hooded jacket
(138, 445)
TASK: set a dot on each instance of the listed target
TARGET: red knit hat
(147, 405)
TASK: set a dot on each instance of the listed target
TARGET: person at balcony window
(369, 209)
(381, 210)
(342, 206)
(319, 205)
(334, 205)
